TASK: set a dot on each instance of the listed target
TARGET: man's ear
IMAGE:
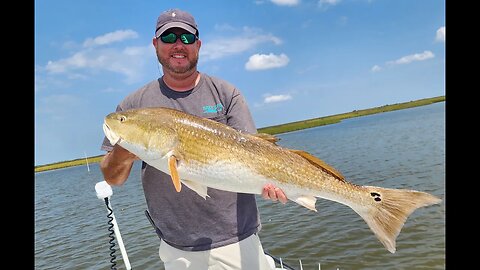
(199, 43)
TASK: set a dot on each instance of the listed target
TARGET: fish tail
(389, 209)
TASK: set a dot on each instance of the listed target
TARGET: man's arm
(116, 165)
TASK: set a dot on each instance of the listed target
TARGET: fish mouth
(111, 136)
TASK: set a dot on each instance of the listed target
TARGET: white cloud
(266, 61)
(406, 60)
(78, 60)
(248, 39)
(129, 62)
(376, 68)
(285, 2)
(327, 3)
(276, 98)
(117, 36)
(440, 37)
(412, 58)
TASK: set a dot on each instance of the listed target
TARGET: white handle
(103, 190)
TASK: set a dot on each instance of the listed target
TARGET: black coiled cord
(112, 237)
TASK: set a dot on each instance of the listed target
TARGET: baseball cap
(175, 18)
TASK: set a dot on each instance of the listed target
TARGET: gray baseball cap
(175, 18)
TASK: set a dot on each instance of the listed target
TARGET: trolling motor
(104, 191)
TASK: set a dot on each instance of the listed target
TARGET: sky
(291, 59)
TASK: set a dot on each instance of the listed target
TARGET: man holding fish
(222, 231)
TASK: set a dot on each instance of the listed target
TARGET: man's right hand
(116, 165)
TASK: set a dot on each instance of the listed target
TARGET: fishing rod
(104, 192)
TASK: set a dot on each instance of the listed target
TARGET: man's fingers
(265, 191)
(281, 196)
(274, 193)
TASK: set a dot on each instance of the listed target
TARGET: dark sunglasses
(186, 38)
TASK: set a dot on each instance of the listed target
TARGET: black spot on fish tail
(376, 196)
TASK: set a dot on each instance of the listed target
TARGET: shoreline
(277, 129)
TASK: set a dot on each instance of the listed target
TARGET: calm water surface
(399, 149)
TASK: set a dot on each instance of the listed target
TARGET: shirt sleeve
(238, 114)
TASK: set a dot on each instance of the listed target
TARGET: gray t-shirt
(185, 220)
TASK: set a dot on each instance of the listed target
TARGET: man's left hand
(274, 193)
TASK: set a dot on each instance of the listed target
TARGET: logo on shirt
(212, 109)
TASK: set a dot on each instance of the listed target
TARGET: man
(221, 231)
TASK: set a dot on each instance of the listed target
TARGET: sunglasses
(186, 38)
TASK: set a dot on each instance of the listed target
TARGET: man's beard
(177, 69)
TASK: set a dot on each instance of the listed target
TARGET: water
(399, 149)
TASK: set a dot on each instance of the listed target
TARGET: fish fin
(389, 209)
(198, 188)
(306, 201)
(319, 163)
(267, 137)
(172, 166)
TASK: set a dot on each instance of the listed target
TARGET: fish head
(143, 132)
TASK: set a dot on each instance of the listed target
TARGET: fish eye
(122, 118)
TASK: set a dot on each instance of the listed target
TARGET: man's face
(177, 57)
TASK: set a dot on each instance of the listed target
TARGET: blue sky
(292, 59)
